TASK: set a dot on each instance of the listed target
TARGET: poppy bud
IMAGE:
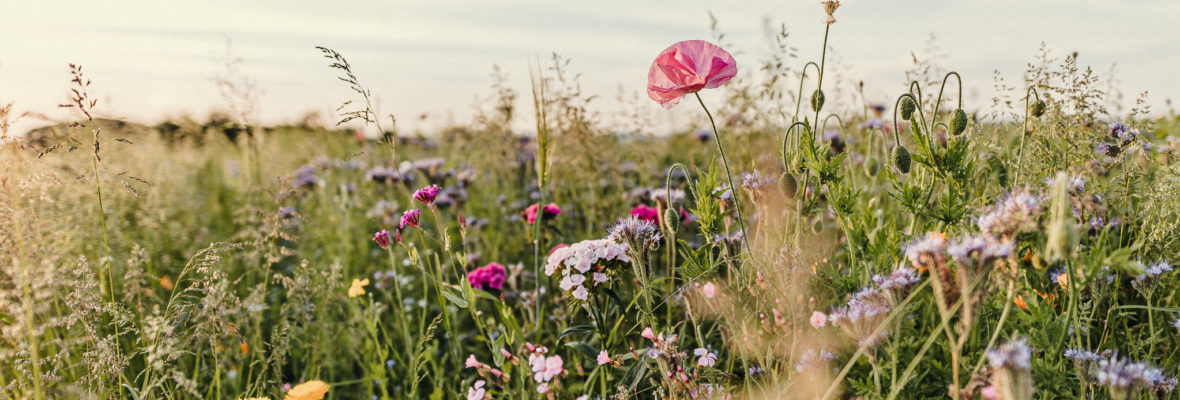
(671, 219)
(1038, 108)
(788, 185)
(872, 166)
(907, 108)
(958, 122)
(901, 159)
(817, 100)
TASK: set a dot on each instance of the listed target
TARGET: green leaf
(585, 349)
(454, 296)
(576, 330)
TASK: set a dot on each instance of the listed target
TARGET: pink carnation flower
(490, 276)
(550, 211)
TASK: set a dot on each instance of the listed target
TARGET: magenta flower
(687, 67)
(426, 195)
(651, 214)
(409, 218)
(550, 211)
(382, 239)
(490, 276)
(645, 213)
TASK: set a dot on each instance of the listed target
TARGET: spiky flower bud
(872, 166)
(907, 108)
(671, 220)
(1038, 108)
(901, 159)
(958, 122)
(817, 100)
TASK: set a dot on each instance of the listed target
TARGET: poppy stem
(737, 204)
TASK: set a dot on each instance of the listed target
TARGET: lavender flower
(1014, 355)
(1016, 213)
(305, 178)
(1011, 363)
(898, 282)
(866, 310)
(982, 248)
(1121, 376)
(636, 232)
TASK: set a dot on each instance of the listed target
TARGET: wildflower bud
(818, 226)
(1038, 108)
(397, 236)
(907, 108)
(788, 185)
(958, 122)
(901, 159)
(382, 239)
(872, 166)
(817, 100)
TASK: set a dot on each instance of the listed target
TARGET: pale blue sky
(152, 59)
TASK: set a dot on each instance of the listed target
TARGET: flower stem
(737, 205)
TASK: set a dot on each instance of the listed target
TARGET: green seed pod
(817, 100)
(1038, 108)
(907, 108)
(818, 226)
(901, 159)
(958, 122)
(872, 166)
(788, 185)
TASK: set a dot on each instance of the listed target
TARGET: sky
(151, 60)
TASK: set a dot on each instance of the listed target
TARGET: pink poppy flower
(818, 319)
(687, 67)
(647, 333)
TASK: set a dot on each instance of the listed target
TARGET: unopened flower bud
(788, 185)
(817, 100)
(1038, 108)
(901, 159)
(907, 108)
(872, 166)
(958, 122)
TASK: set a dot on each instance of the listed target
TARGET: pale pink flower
(603, 358)
(581, 293)
(687, 67)
(543, 388)
(599, 278)
(647, 333)
(477, 391)
(707, 359)
(473, 363)
(818, 319)
(989, 393)
(709, 290)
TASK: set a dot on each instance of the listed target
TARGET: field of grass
(926, 248)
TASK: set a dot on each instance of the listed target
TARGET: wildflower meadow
(802, 242)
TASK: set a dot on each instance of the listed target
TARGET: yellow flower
(1063, 279)
(310, 390)
(358, 287)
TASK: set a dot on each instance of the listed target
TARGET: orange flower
(245, 347)
(310, 390)
(1019, 301)
(166, 282)
(1062, 280)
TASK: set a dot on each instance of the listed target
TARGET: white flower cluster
(587, 257)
